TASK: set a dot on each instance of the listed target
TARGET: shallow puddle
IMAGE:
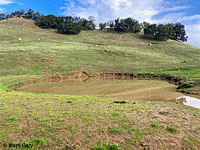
(147, 90)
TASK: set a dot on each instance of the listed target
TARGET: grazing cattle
(150, 44)
(120, 102)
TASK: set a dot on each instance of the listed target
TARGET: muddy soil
(146, 87)
(149, 90)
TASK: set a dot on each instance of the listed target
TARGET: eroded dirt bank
(82, 76)
(149, 87)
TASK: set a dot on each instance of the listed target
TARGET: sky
(186, 12)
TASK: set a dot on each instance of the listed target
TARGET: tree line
(30, 14)
(128, 25)
(164, 32)
(66, 25)
(74, 25)
(159, 32)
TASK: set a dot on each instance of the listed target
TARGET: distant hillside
(29, 50)
(45, 51)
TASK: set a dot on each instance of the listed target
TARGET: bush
(49, 21)
(186, 85)
(69, 28)
(164, 32)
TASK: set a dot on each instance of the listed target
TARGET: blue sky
(154, 11)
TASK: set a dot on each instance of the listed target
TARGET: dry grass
(86, 122)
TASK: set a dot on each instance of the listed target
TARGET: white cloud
(194, 34)
(176, 8)
(142, 10)
(177, 17)
(5, 2)
(1, 10)
(110, 9)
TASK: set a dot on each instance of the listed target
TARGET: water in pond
(148, 90)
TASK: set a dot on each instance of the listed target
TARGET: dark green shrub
(69, 28)
(186, 85)
(171, 129)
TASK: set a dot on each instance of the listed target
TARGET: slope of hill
(103, 52)
(55, 121)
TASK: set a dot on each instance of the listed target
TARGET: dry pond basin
(145, 90)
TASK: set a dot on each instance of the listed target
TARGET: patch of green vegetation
(171, 129)
(155, 125)
(138, 137)
(138, 131)
(53, 114)
(139, 107)
(4, 132)
(43, 119)
(115, 114)
(134, 129)
(107, 147)
(2, 106)
(46, 103)
(13, 118)
(115, 130)
(69, 112)
(61, 120)
(40, 141)
(189, 142)
(190, 85)
(85, 118)
(186, 85)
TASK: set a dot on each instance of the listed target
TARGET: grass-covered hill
(45, 51)
(51, 121)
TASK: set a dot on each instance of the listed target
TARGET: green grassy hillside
(51, 121)
(44, 51)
